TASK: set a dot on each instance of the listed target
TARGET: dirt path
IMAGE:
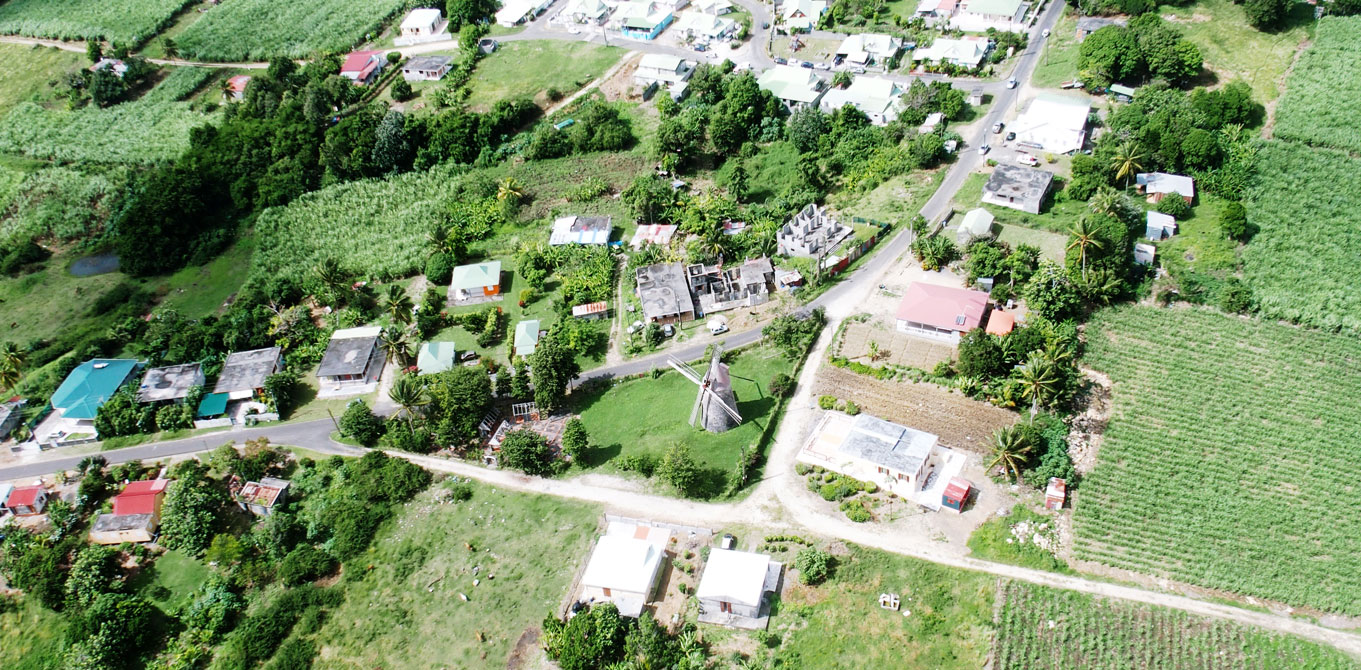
(595, 83)
(79, 47)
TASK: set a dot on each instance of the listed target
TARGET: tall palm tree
(409, 394)
(1038, 381)
(332, 277)
(395, 344)
(11, 365)
(398, 304)
(1010, 446)
(172, 50)
(1128, 160)
(1082, 237)
(441, 240)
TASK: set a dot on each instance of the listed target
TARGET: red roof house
(941, 312)
(142, 497)
(956, 494)
(27, 500)
(362, 67)
(1001, 323)
(135, 517)
(236, 86)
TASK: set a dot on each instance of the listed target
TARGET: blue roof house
(77, 401)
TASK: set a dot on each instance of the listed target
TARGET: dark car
(781, 61)
(1011, 136)
(765, 25)
(807, 65)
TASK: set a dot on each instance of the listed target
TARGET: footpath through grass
(402, 599)
(531, 68)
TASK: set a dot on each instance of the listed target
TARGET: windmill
(715, 400)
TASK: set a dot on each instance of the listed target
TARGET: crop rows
(134, 132)
(1040, 627)
(128, 22)
(58, 203)
(261, 29)
(1231, 460)
(1300, 264)
(181, 83)
(1324, 89)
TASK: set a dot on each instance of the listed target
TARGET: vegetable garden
(1230, 462)
(1300, 260)
(1040, 627)
(134, 132)
(1323, 92)
(261, 29)
(128, 22)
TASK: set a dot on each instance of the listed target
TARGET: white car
(1027, 159)
(1045, 33)
(1011, 83)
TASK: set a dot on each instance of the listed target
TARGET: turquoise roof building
(436, 357)
(90, 385)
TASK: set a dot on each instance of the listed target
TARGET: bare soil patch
(893, 347)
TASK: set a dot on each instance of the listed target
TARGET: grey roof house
(1017, 187)
(244, 372)
(427, 68)
(352, 362)
(663, 291)
(172, 382)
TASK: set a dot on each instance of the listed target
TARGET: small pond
(94, 265)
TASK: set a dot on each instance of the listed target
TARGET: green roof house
(526, 337)
(90, 385)
(479, 280)
(794, 86)
(436, 357)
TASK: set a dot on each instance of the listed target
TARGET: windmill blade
(724, 404)
(685, 371)
(699, 398)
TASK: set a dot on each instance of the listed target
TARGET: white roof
(1160, 220)
(704, 24)
(713, 6)
(662, 62)
(624, 561)
(592, 8)
(871, 95)
(1056, 123)
(734, 576)
(977, 222)
(353, 333)
(513, 10)
(968, 50)
(809, 9)
(791, 83)
(874, 44)
(1162, 182)
(422, 18)
(593, 230)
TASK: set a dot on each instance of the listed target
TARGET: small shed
(976, 96)
(956, 494)
(1056, 494)
(1000, 323)
(27, 500)
(977, 224)
(1159, 226)
(212, 405)
(591, 311)
(436, 357)
(1120, 92)
(260, 498)
(1144, 253)
(526, 337)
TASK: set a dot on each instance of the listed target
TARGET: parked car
(1011, 83)
(765, 25)
(1011, 136)
(983, 149)
(1027, 159)
(1074, 83)
(781, 61)
(858, 70)
(822, 66)
(997, 128)
(806, 64)
(1045, 33)
(701, 48)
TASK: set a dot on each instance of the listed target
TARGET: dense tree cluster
(599, 637)
(1149, 48)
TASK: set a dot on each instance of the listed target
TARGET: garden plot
(892, 347)
(961, 422)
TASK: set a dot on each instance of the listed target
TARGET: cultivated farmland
(1040, 627)
(261, 29)
(179, 84)
(134, 132)
(1230, 458)
(1306, 204)
(1323, 92)
(128, 22)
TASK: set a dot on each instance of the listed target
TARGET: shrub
(439, 268)
(802, 469)
(360, 423)
(869, 487)
(813, 565)
(781, 385)
(856, 511)
(461, 491)
(827, 402)
(852, 408)
(1174, 206)
(305, 564)
(644, 464)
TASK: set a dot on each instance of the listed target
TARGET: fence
(858, 250)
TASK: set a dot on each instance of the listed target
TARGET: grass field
(204, 290)
(57, 204)
(529, 69)
(1041, 628)
(650, 415)
(1299, 263)
(32, 82)
(30, 635)
(839, 625)
(260, 29)
(402, 607)
(171, 581)
(1228, 461)
(1059, 62)
(134, 132)
(1057, 217)
(127, 22)
(1323, 91)
(1234, 50)
(1051, 245)
(1017, 538)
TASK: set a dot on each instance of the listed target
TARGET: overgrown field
(1323, 92)
(179, 84)
(134, 132)
(1306, 207)
(243, 30)
(30, 634)
(404, 610)
(1235, 50)
(1040, 628)
(1229, 461)
(127, 22)
(56, 203)
(529, 69)
(42, 66)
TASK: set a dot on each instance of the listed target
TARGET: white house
(867, 48)
(796, 87)
(942, 313)
(696, 24)
(880, 99)
(1159, 226)
(581, 230)
(513, 12)
(1144, 253)
(625, 565)
(964, 52)
(1017, 187)
(934, 10)
(663, 69)
(735, 588)
(713, 7)
(1053, 123)
(977, 16)
(977, 223)
(907, 462)
(362, 67)
(803, 14)
(117, 67)
(587, 11)
(422, 25)
(427, 68)
(352, 363)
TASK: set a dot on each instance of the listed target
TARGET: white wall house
(624, 567)
(1053, 123)
(905, 461)
(663, 69)
(422, 25)
(880, 99)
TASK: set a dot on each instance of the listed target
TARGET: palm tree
(442, 241)
(1010, 445)
(1083, 236)
(332, 277)
(1038, 381)
(409, 394)
(11, 365)
(172, 50)
(398, 304)
(394, 343)
(1106, 200)
(1128, 159)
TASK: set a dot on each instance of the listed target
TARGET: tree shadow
(302, 395)
(597, 456)
(713, 482)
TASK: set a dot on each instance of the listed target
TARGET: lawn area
(1234, 50)
(310, 408)
(171, 581)
(1258, 419)
(530, 68)
(814, 49)
(839, 624)
(648, 416)
(29, 300)
(201, 291)
(1011, 539)
(1058, 216)
(1059, 63)
(1200, 243)
(30, 635)
(402, 607)
(1042, 628)
(41, 66)
(1051, 245)
(895, 201)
